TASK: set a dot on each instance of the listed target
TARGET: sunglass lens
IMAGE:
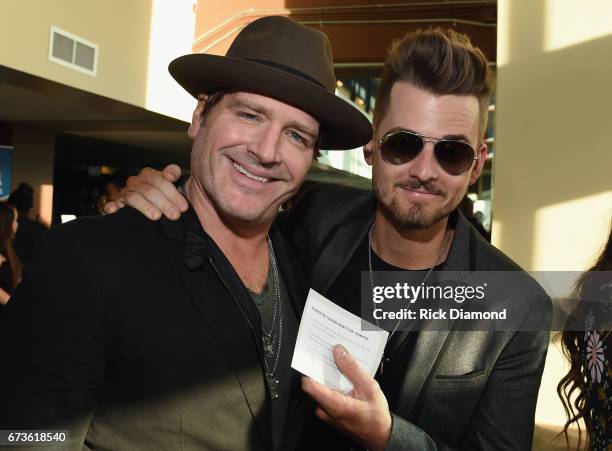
(455, 157)
(399, 148)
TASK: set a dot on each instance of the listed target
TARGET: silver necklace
(385, 358)
(270, 339)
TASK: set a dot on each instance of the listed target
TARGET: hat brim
(344, 126)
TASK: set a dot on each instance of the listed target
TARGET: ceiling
(38, 102)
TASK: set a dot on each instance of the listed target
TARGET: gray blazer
(460, 389)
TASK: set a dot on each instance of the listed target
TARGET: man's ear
(196, 118)
(368, 152)
(477, 169)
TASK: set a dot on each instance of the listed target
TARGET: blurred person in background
(30, 231)
(467, 208)
(10, 265)
(586, 390)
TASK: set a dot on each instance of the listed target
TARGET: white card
(324, 325)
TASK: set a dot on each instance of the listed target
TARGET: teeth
(249, 175)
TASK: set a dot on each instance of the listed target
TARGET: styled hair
(7, 216)
(440, 61)
(216, 97)
(574, 388)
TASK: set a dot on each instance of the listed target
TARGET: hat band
(289, 69)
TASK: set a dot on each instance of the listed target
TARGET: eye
(297, 137)
(247, 116)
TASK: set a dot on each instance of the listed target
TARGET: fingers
(331, 401)
(158, 191)
(135, 200)
(324, 416)
(313, 388)
(349, 366)
(113, 206)
(172, 172)
(165, 183)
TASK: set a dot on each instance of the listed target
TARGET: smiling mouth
(249, 175)
(419, 191)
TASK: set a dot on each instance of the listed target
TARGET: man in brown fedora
(186, 342)
(446, 389)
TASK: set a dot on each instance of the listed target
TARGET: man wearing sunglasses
(446, 389)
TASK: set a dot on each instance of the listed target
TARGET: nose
(265, 145)
(424, 167)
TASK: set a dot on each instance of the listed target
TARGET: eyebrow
(251, 106)
(266, 112)
(457, 137)
(460, 137)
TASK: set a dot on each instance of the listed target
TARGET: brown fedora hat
(277, 57)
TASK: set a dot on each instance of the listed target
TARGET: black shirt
(346, 292)
(265, 303)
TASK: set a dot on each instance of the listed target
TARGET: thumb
(352, 369)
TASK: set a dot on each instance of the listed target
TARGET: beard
(415, 215)
(226, 204)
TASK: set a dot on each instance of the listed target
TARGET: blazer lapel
(428, 352)
(300, 406)
(342, 241)
(224, 316)
(295, 281)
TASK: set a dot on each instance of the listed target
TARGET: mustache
(416, 184)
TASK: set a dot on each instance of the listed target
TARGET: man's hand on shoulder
(363, 414)
(153, 194)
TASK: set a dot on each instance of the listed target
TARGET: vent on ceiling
(72, 51)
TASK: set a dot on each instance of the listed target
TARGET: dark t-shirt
(346, 292)
(265, 303)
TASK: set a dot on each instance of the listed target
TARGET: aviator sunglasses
(401, 146)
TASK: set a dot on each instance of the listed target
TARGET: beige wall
(33, 157)
(552, 179)
(552, 176)
(119, 27)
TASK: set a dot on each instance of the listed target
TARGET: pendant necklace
(385, 357)
(273, 338)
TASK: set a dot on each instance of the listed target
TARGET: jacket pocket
(468, 383)
(458, 377)
(458, 394)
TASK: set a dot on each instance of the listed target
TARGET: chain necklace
(385, 358)
(270, 338)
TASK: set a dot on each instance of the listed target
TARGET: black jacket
(460, 390)
(129, 338)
